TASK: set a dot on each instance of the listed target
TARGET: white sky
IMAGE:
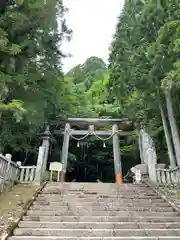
(93, 23)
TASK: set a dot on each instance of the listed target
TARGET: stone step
(95, 232)
(93, 238)
(98, 225)
(103, 187)
(135, 218)
(115, 202)
(93, 213)
(74, 186)
(86, 192)
(97, 209)
(120, 194)
(104, 205)
(59, 198)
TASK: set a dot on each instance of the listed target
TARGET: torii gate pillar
(65, 148)
(117, 156)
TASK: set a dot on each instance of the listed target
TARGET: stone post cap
(8, 156)
(19, 163)
(46, 134)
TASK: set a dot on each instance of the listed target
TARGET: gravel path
(12, 203)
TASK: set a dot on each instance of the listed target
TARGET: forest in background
(141, 81)
(89, 83)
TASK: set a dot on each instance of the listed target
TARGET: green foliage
(89, 83)
(32, 87)
(142, 51)
(144, 60)
(92, 69)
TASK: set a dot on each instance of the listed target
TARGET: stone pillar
(117, 156)
(39, 166)
(149, 154)
(46, 141)
(152, 162)
(42, 156)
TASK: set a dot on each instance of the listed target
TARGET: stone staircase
(94, 211)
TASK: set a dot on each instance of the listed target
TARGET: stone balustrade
(8, 172)
(168, 176)
(26, 174)
(11, 172)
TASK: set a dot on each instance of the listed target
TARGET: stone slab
(95, 232)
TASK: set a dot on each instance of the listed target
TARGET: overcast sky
(93, 23)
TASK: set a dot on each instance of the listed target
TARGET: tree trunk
(168, 138)
(173, 126)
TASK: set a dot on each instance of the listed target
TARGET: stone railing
(168, 176)
(8, 173)
(11, 172)
(26, 174)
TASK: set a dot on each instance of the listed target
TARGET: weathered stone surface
(89, 212)
(95, 232)
(97, 211)
(109, 205)
(99, 198)
(106, 208)
(99, 225)
(93, 238)
(102, 219)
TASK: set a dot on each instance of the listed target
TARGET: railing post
(8, 156)
(158, 176)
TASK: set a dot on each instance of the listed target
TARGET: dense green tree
(92, 69)
(89, 83)
(144, 66)
(32, 87)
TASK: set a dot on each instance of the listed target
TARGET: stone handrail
(26, 174)
(168, 176)
(8, 172)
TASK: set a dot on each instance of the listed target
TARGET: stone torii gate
(115, 133)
